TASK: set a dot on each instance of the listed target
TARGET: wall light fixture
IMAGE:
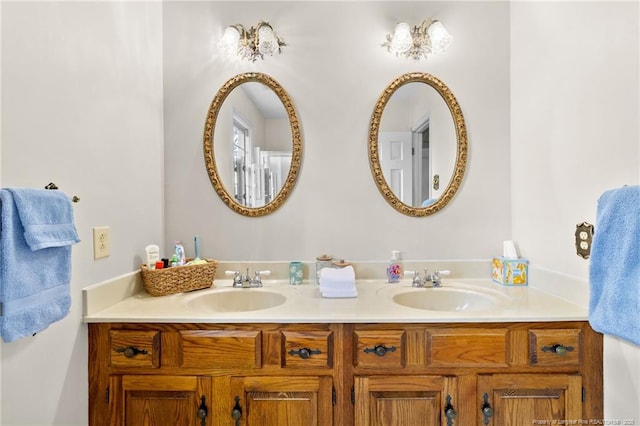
(252, 43)
(430, 38)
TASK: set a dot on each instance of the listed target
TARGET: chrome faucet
(245, 280)
(429, 280)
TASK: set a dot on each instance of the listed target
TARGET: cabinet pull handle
(202, 412)
(236, 413)
(131, 351)
(449, 412)
(304, 353)
(486, 409)
(558, 349)
(380, 350)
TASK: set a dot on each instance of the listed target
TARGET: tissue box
(509, 271)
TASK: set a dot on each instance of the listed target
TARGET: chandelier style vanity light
(252, 43)
(430, 38)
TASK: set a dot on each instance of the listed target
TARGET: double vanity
(468, 353)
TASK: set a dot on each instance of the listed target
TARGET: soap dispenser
(394, 268)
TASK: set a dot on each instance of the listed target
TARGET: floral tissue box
(509, 271)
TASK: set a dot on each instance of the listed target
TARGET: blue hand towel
(47, 217)
(614, 274)
(34, 284)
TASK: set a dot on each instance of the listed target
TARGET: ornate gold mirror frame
(209, 140)
(461, 149)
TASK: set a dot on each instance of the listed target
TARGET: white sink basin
(447, 299)
(236, 300)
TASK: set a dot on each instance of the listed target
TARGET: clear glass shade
(401, 40)
(439, 36)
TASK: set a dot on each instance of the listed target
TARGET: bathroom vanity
(301, 359)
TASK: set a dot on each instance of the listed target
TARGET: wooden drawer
(305, 349)
(557, 347)
(379, 348)
(220, 348)
(131, 348)
(466, 347)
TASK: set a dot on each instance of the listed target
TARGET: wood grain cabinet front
(220, 348)
(467, 374)
(307, 349)
(134, 348)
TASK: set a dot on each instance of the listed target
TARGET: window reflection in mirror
(252, 144)
(260, 143)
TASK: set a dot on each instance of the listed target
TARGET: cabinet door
(281, 401)
(404, 401)
(524, 399)
(162, 400)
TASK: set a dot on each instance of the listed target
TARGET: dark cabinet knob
(202, 411)
(304, 353)
(558, 349)
(131, 351)
(380, 350)
(486, 409)
(449, 412)
(236, 413)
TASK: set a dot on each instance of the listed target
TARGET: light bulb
(439, 36)
(229, 41)
(401, 41)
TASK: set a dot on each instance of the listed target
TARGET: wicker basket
(178, 279)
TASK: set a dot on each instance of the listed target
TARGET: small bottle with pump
(180, 253)
(394, 268)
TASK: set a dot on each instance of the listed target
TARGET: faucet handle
(237, 278)
(264, 273)
(442, 273)
(257, 279)
(417, 281)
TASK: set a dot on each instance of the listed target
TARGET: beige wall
(85, 86)
(334, 69)
(81, 107)
(575, 132)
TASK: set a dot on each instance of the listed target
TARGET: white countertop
(304, 304)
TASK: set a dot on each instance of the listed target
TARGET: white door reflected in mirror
(417, 141)
(417, 135)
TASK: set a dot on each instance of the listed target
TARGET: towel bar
(52, 185)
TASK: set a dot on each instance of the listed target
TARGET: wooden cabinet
(499, 374)
(495, 374)
(281, 400)
(404, 400)
(160, 400)
(525, 399)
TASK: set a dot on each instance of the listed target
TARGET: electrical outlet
(584, 237)
(100, 242)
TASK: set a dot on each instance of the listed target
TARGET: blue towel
(47, 217)
(614, 275)
(34, 284)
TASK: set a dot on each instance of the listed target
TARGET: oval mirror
(252, 144)
(417, 144)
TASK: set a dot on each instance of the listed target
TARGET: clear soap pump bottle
(394, 268)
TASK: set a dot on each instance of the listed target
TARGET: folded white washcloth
(329, 294)
(336, 282)
(338, 275)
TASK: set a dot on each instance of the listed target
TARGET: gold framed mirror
(252, 144)
(417, 141)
